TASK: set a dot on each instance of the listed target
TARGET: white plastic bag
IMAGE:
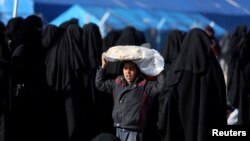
(148, 60)
(121, 53)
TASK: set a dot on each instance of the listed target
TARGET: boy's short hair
(128, 61)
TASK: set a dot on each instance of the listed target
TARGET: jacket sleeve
(102, 83)
(155, 87)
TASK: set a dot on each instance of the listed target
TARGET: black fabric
(66, 23)
(69, 77)
(13, 25)
(47, 35)
(236, 42)
(172, 46)
(13, 32)
(92, 44)
(26, 58)
(4, 52)
(238, 79)
(130, 36)
(27, 115)
(105, 137)
(170, 53)
(110, 39)
(196, 100)
(244, 66)
(65, 59)
(234, 39)
(6, 99)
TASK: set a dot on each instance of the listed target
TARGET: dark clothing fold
(196, 96)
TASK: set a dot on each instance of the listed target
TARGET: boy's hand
(104, 62)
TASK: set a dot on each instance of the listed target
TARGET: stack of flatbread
(148, 60)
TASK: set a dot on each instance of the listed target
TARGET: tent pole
(161, 23)
(15, 8)
(102, 22)
(104, 18)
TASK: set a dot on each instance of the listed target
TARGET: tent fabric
(140, 18)
(25, 8)
(231, 7)
(145, 11)
(77, 12)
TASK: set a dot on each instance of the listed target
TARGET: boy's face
(129, 71)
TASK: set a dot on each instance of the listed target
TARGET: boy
(131, 94)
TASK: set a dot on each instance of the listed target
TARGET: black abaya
(197, 95)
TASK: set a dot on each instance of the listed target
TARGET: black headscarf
(47, 35)
(13, 26)
(110, 39)
(66, 23)
(31, 29)
(27, 57)
(13, 32)
(92, 44)
(130, 36)
(172, 46)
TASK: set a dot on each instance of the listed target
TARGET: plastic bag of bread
(148, 60)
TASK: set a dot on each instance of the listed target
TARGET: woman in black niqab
(93, 46)
(27, 62)
(197, 96)
(68, 76)
(92, 43)
(170, 53)
(238, 79)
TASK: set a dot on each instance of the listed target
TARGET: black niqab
(172, 46)
(92, 44)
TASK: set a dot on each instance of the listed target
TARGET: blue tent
(166, 20)
(25, 8)
(213, 10)
(83, 17)
(230, 7)
(140, 18)
(76, 12)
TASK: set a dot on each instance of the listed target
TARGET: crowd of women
(48, 93)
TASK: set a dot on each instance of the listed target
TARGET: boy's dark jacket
(131, 102)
